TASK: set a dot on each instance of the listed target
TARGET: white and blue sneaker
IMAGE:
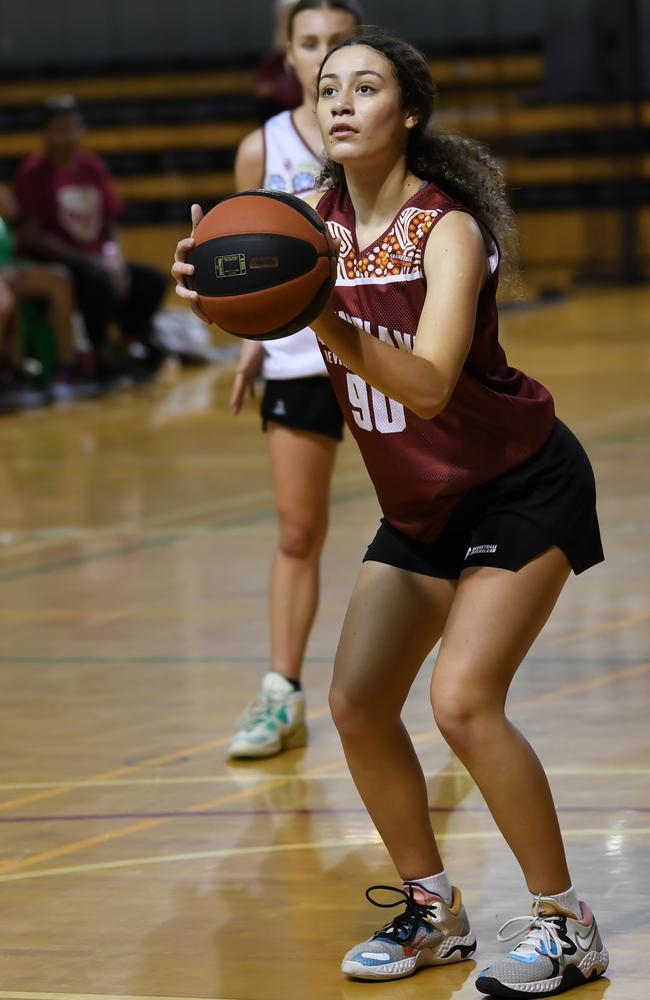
(559, 950)
(274, 722)
(427, 933)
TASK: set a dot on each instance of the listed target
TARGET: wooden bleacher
(169, 138)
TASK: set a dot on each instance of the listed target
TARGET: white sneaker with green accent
(274, 722)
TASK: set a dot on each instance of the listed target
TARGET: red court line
(70, 848)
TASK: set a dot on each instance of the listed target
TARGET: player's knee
(349, 711)
(356, 711)
(461, 715)
(298, 540)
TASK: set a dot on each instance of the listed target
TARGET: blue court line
(117, 550)
(160, 540)
(264, 516)
(154, 660)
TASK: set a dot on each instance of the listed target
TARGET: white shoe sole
(448, 952)
(292, 740)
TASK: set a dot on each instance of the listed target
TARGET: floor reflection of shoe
(427, 933)
(557, 952)
(274, 722)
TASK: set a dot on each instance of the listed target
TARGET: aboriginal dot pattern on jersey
(398, 252)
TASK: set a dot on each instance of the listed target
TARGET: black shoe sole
(571, 977)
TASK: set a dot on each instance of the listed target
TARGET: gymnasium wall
(559, 89)
(39, 33)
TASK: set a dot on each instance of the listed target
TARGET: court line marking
(116, 550)
(10, 995)
(344, 480)
(144, 661)
(588, 685)
(594, 630)
(137, 544)
(72, 847)
(117, 772)
(205, 513)
(221, 741)
(252, 659)
(147, 824)
(31, 545)
(603, 679)
(277, 811)
(368, 840)
(305, 776)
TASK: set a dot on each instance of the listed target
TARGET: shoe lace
(404, 924)
(256, 712)
(542, 933)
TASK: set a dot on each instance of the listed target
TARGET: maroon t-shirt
(74, 202)
(496, 418)
(278, 84)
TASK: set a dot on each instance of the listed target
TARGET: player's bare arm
(455, 269)
(249, 162)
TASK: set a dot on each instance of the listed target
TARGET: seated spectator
(48, 285)
(68, 209)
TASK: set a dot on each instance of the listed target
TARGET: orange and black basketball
(263, 265)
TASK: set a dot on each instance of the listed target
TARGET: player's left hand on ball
(334, 243)
(181, 270)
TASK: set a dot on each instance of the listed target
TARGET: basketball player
(300, 414)
(488, 501)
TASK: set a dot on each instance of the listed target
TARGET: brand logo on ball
(230, 265)
(256, 263)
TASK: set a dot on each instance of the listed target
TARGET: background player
(299, 410)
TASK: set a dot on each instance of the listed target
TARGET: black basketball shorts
(550, 499)
(304, 404)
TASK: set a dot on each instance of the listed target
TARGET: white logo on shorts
(479, 550)
(279, 410)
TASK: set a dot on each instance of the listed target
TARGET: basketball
(263, 265)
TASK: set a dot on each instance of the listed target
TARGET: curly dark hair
(458, 165)
(347, 6)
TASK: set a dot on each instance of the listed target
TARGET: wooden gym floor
(136, 534)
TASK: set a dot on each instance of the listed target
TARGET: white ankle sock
(567, 900)
(438, 885)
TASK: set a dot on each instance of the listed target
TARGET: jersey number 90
(372, 410)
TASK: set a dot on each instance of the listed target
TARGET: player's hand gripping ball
(264, 266)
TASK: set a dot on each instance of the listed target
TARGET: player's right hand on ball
(181, 270)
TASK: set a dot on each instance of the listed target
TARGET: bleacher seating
(575, 170)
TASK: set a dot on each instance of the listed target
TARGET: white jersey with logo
(289, 165)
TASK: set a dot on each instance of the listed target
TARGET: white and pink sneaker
(558, 950)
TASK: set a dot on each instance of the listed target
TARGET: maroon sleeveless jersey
(496, 418)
